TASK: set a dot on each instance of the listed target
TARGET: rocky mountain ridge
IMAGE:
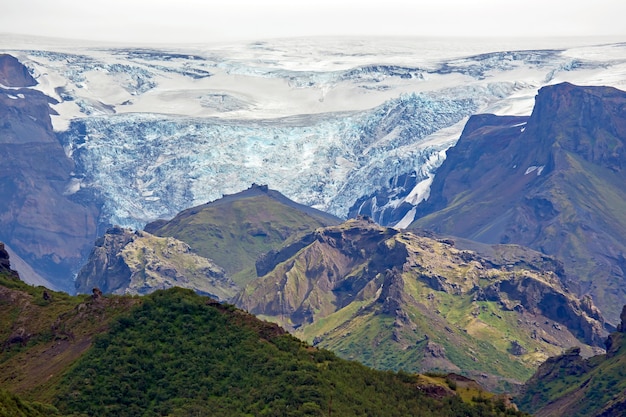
(393, 299)
(570, 385)
(179, 353)
(204, 248)
(551, 182)
(135, 262)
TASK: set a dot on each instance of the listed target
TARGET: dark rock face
(14, 74)
(5, 265)
(570, 363)
(329, 255)
(517, 349)
(552, 182)
(40, 219)
(106, 269)
(370, 205)
(622, 326)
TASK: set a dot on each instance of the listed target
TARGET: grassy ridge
(569, 385)
(43, 332)
(236, 230)
(13, 406)
(180, 354)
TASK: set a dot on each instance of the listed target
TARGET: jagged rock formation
(395, 299)
(127, 262)
(232, 232)
(42, 218)
(568, 385)
(552, 182)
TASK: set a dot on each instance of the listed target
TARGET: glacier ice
(148, 166)
(341, 126)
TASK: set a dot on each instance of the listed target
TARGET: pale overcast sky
(227, 20)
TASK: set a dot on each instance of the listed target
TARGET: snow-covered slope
(341, 125)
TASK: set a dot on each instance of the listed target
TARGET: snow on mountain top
(327, 122)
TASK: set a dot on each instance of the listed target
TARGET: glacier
(346, 126)
(150, 166)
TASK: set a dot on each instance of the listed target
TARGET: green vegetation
(398, 301)
(13, 406)
(569, 385)
(180, 354)
(235, 230)
(42, 332)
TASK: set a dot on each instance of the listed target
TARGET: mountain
(397, 300)
(345, 126)
(552, 181)
(568, 385)
(14, 74)
(236, 229)
(176, 353)
(48, 228)
(203, 248)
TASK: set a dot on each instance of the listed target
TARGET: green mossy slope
(180, 354)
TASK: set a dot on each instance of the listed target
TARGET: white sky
(198, 21)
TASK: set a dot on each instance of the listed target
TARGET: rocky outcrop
(134, 262)
(316, 271)
(13, 73)
(570, 363)
(551, 300)
(5, 264)
(106, 268)
(568, 384)
(361, 289)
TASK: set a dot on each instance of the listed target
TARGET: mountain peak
(552, 182)
(585, 120)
